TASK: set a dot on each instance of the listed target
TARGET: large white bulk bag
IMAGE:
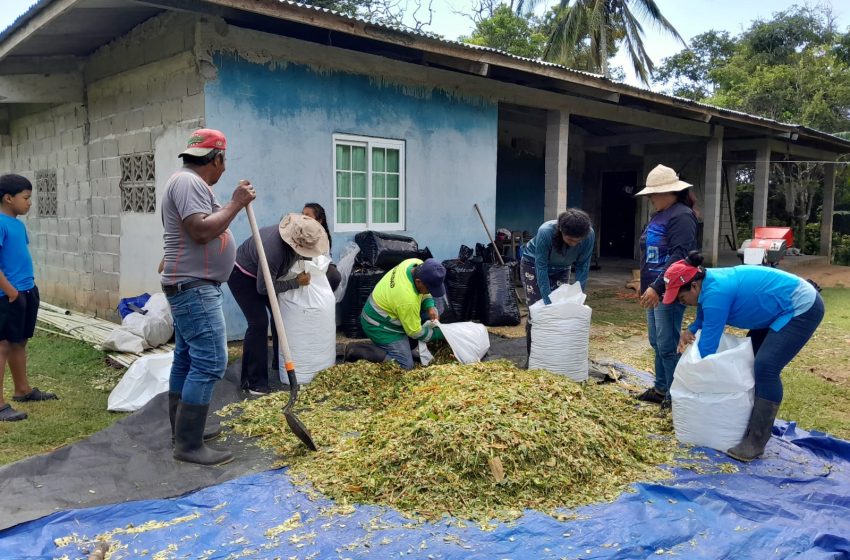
(560, 333)
(309, 319)
(713, 397)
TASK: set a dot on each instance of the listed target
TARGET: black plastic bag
(465, 253)
(384, 250)
(499, 306)
(461, 290)
(360, 285)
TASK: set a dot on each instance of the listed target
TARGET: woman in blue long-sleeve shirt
(546, 259)
(670, 234)
(780, 310)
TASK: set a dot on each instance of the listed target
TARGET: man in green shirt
(393, 313)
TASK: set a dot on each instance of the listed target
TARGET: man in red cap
(199, 256)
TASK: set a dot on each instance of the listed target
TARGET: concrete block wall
(55, 139)
(143, 92)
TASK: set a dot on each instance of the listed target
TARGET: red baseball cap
(203, 141)
(677, 275)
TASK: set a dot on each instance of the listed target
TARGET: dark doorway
(617, 238)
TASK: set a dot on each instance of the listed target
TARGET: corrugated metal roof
(23, 18)
(603, 82)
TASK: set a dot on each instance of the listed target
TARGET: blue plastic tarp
(794, 503)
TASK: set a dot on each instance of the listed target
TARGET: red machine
(772, 241)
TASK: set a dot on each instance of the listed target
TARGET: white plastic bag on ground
(155, 330)
(469, 341)
(144, 379)
(713, 397)
(138, 331)
(122, 340)
(560, 333)
(344, 267)
(310, 321)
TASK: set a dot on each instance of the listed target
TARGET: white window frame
(370, 143)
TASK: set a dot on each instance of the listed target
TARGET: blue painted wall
(520, 190)
(280, 123)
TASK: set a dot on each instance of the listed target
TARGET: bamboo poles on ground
(89, 329)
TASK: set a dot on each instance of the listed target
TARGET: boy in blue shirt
(18, 294)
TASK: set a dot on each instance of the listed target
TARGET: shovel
(295, 424)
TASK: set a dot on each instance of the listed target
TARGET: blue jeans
(200, 343)
(775, 349)
(664, 323)
(401, 350)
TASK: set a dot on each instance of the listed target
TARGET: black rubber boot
(527, 343)
(189, 437)
(758, 431)
(210, 432)
(364, 351)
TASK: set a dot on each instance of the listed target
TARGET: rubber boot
(364, 351)
(527, 343)
(210, 432)
(189, 437)
(758, 431)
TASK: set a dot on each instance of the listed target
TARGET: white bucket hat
(662, 179)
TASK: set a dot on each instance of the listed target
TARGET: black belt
(175, 289)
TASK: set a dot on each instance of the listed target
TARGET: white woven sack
(310, 322)
(122, 340)
(143, 380)
(560, 333)
(713, 397)
(469, 341)
(154, 329)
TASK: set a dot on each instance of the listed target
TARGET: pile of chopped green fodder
(481, 441)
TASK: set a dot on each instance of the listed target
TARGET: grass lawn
(817, 382)
(78, 374)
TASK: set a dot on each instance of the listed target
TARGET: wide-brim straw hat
(304, 234)
(662, 179)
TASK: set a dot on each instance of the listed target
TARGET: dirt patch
(827, 275)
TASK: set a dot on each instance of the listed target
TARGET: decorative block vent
(138, 183)
(45, 192)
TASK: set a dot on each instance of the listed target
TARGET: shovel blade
(300, 430)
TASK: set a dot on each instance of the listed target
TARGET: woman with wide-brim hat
(668, 237)
(296, 236)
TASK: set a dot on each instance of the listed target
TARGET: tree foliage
(795, 68)
(510, 32)
(599, 26)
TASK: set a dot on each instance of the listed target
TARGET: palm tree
(597, 25)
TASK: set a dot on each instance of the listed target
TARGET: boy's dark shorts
(17, 319)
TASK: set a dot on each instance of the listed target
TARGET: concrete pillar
(557, 149)
(643, 207)
(828, 209)
(760, 190)
(728, 222)
(712, 196)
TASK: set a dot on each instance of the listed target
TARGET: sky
(689, 17)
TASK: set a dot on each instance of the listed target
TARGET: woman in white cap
(296, 236)
(668, 237)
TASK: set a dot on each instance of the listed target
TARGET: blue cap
(432, 274)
